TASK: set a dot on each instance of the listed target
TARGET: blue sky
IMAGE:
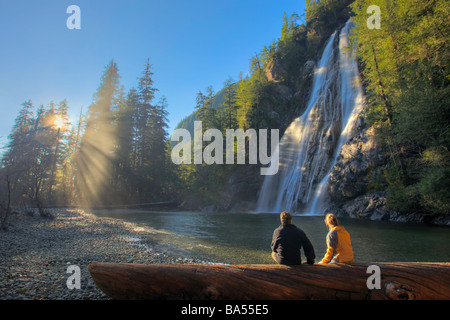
(191, 45)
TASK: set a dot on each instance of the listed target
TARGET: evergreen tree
(67, 195)
(95, 159)
(19, 136)
(144, 126)
(124, 124)
(41, 159)
(57, 121)
(16, 160)
(230, 104)
(205, 112)
(146, 108)
(132, 110)
(159, 142)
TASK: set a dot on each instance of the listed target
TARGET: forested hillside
(406, 72)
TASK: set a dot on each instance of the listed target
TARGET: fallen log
(420, 281)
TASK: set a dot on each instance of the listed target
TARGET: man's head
(285, 217)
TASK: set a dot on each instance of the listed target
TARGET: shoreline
(36, 253)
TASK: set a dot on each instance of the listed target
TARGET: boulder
(307, 70)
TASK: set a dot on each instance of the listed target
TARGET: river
(244, 238)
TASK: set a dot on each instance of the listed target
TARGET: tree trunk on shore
(8, 205)
(406, 281)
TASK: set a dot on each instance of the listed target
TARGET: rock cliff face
(357, 170)
(241, 192)
(355, 176)
(358, 165)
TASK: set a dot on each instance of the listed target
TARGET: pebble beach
(36, 253)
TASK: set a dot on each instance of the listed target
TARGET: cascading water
(310, 146)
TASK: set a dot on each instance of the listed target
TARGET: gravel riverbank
(35, 253)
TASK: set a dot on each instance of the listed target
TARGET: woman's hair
(285, 217)
(331, 220)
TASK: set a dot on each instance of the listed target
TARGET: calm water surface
(244, 238)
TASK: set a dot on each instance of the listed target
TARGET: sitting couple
(288, 239)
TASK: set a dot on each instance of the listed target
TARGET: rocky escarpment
(359, 165)
(356, 187)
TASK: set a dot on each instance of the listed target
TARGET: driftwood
(421, 281)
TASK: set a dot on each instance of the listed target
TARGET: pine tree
(57, 121)
(230, 104)
(205, 112)
(146, 93)
(95, 159)
(17, 160)
(123, 160)
(19, 136)
(144, 141)
(132, 109)
(67, 195)
(40, 157)
(159, 137)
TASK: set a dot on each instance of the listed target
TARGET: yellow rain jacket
(339, 244)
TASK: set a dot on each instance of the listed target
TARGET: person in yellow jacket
(339, 246)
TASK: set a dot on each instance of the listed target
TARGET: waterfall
(311, 144)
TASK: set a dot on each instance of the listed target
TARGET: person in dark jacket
(287, 242)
